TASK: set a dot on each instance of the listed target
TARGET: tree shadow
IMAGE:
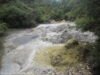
(95, 60)
(1, 49)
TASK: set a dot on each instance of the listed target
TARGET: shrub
(44, 18)
(84, 23)
(3, 28)
(15, 16)
(57, 14)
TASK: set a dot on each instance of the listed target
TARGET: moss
(61, 57)
(71, 43)
(46, 54)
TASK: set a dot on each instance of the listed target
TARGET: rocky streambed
(21, 47)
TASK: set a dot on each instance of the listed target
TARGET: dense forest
(29, 13)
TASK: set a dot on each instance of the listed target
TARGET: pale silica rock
(21, 46)
(59, 33)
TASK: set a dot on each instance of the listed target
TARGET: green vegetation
(87, 18)
(85, 23)
(3, 28)
(64, 57)
(28, 13)
(15, 16)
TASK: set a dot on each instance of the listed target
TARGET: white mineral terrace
(20, 47)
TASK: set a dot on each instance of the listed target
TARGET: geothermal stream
(21, 46)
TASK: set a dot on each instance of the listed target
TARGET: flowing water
(20, 46)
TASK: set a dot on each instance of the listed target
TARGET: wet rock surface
(59, 33)
(21, 46)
